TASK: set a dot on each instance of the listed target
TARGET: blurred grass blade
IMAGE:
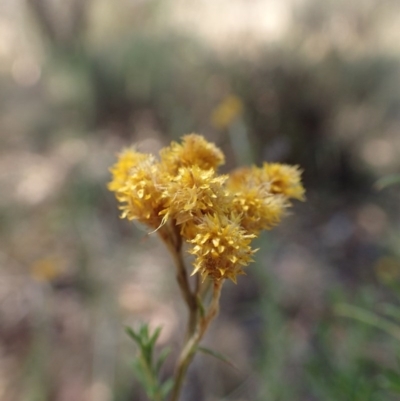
(391, 380)
(391, 311)
(367, 317)
(387, 181)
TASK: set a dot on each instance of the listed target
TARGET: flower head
(259, 210)
(127, 159)
(284, 179)
(140, 196)
(192, 193)
(221, 247)
(254, 202)
(261, 195)
(194, 151)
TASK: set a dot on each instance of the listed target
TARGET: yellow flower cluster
(217, 215)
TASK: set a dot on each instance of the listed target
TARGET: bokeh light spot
(378, 152)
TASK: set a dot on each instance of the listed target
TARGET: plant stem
(151, 379)
(197, 325)
(173, 242)
(190, 347)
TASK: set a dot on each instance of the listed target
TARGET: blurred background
(297, 81)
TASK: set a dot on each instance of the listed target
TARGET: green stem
(191, 345)
(151, 379)
(173, 242)
(197, 325)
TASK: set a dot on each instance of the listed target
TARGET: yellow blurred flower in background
(388, 269)
(47, 268)
(226, 112)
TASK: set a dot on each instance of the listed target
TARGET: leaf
(144, 331)
(217, 355)
(387, 181)
(369, 318)
(391, 380)
(166, 387)
(391, 311)
(149, 343)
(161, 359)
(138, 371)
(144, 369)
(151, 392)
(154, 337)
(135, 337)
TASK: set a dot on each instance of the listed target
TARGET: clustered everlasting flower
(218, 216)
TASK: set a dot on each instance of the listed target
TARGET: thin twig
(190, 347)
(173, 242)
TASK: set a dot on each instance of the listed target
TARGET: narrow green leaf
(135, 337)
(140, 375)
(144, 367)
(155, 336)
(217, 355)
(147, 353)
(144, 332)
(387, 181)
(391, 380)
(369, 318)
(166, 387)
(391, 311)
(151, 392)
(146, 346)
(162, 357)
